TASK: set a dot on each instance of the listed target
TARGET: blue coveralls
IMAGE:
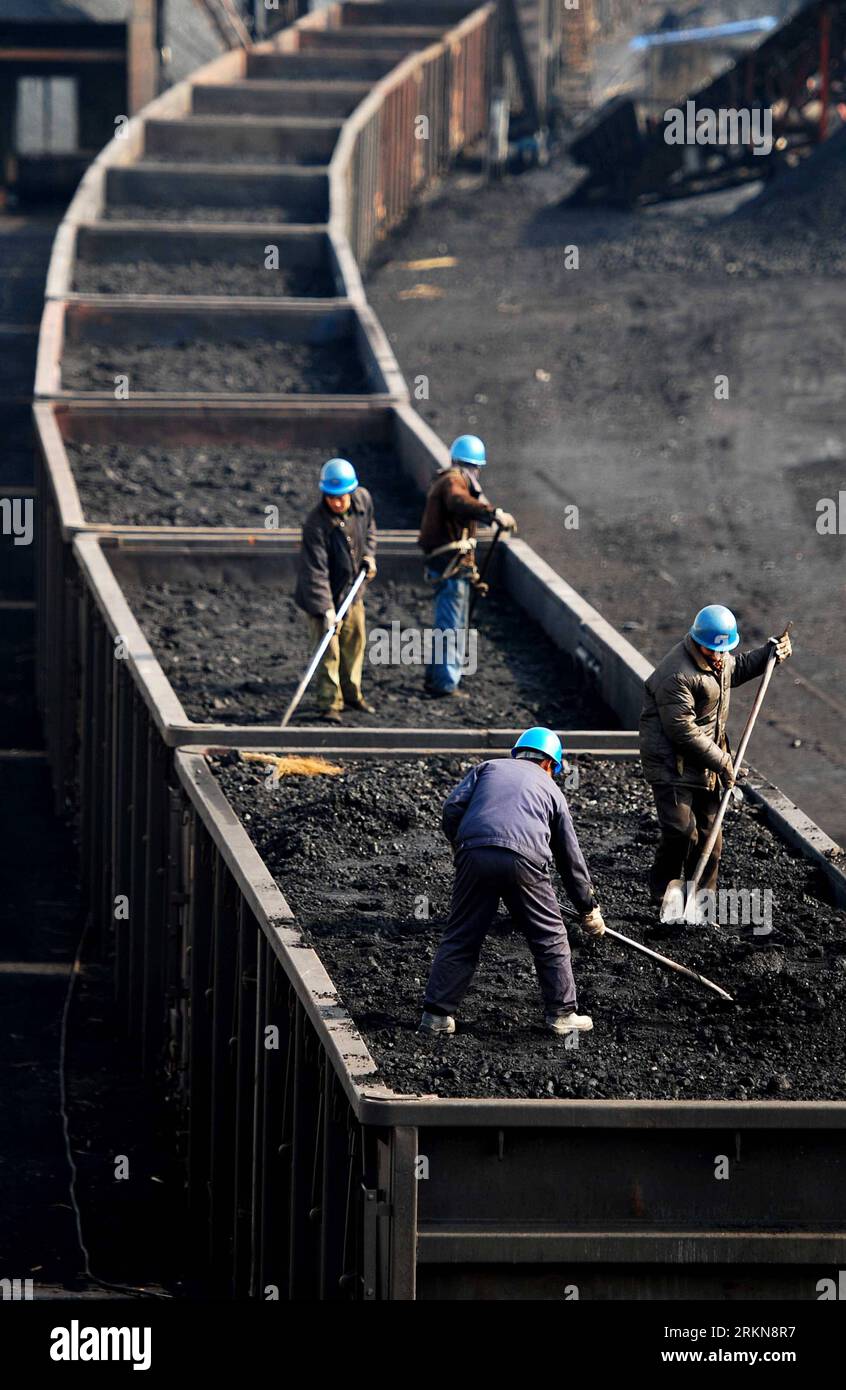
(507, 821)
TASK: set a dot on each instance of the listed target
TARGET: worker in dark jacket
(684, 747)
(455, 506)
(507, 822)
(339, 537)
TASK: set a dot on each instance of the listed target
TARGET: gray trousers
(483, 877)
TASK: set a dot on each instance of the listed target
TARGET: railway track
(303, 1169)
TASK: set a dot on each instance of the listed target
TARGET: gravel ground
(201, 277)
(202, 365)
(199, 212)
(356, 891)
(234, 654)
(214, 486)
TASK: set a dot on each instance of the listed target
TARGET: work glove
(370, 564)
(593, 922)
(505, 520)
(330, 618)
(784, 647)
(728, 772)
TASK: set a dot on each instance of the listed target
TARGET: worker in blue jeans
(455, 506)
(508, 822)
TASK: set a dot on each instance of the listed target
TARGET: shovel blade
(673, 902)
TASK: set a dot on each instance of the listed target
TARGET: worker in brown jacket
(684, 746)
(454, 507)
(339, 538)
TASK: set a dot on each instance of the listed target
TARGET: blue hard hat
(337, 477)
(715, 627)
(468, 448)
(541, 741)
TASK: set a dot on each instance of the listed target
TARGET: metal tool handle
(322, 645)
(663, 960)
(474, 597)
(672, 964)
(711, 840)
(486, 564)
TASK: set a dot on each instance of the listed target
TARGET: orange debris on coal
(294, 765)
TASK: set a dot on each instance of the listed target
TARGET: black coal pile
(206, 212)
(200, 365)
(201, 276)
(235, 652)
(367, 872)
(794, 224)
(149, 485)
(804, 208)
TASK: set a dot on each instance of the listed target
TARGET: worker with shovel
(507, 821)
(684, 746)
(339, 540)
(454, 507)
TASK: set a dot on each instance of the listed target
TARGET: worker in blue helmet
(455, 506)
(339, 537)
(684, 745)
(508, 822)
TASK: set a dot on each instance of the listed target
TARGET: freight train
(308, 1176)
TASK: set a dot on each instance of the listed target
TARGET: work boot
(562, 1024)
(331, 716)
(363, 706)
(436, 1024)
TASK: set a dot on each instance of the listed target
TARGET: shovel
(324, 643)
(475, 596)
(677, 906)
(662, 960)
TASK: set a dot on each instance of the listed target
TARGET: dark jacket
(455, 502)
(513, 804)
(685, 712)
(331, 553)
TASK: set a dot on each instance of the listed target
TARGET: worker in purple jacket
(507, 822)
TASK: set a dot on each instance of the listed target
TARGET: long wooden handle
(321, 648)
(672, 964)
(708, 847)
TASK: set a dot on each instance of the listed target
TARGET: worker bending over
(339, 537)
(684, 745)
(454, 507)
(507, 821)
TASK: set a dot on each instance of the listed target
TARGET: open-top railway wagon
(307, 1175)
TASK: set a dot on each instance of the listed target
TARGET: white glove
(784, 647)
(369, 561)
(505, 520)
(330, 618)
(594, 923)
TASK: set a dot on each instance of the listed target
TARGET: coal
(361, 859)
(203, 212)
(198, 276)
(235, 651)
(147, 485)
(200, 365)
(803, 212)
